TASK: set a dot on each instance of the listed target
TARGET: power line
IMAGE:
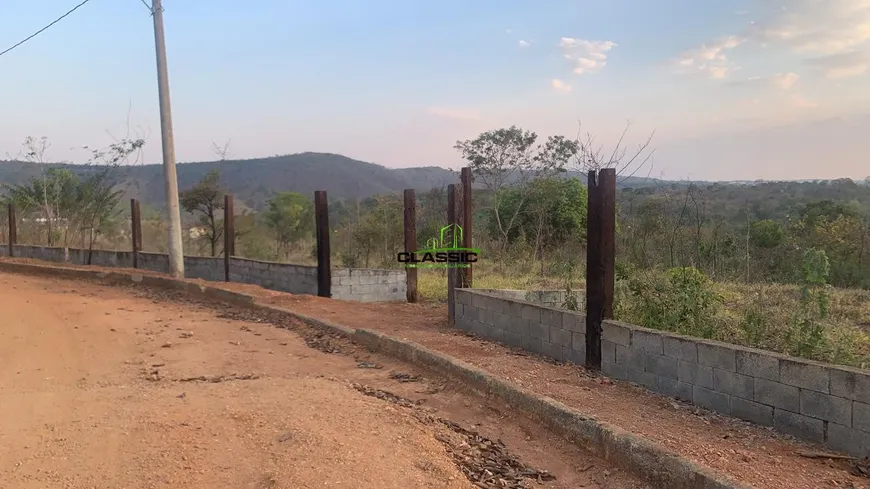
(40, 31)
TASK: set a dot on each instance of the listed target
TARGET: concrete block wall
(366, 285)
(549, 298)
(361, 285)
(550, 331)
(123, 259)
(817, 402)
(203, 267)
(295, 279)
(47, 253)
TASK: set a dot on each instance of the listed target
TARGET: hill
(254, 181)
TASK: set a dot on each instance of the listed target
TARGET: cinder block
(851, 384)
(615, 333)
(573, 321)
(715, 401)
(553, 351)
(803, 427)
(500, 321)
(759, 365)
(752, 411)
(513, 339)
(733, 384)
(681, 348)
(533, 345)
(861, 416)
(495, 334)
(470, 312)
(612, 370)
(804, 375)
(778, 395)
(826, 407)
(647, 341)
(578, 341)
(532, 313)
(551, 317)
(631, 357)
(720, 356)
(675, 388)
(608, 351)
(646, 379)
(515, 309)
(693, 373)
(621, 354)
(559, 336)
(849, 440)
(539, 330)
(578, 357)
(661, 365)
(464, 324)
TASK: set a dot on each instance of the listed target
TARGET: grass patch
(754, 315)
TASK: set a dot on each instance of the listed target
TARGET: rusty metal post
(13, 229)
(136, 228)
(324, 269)
(452, 275)
(411, 241)
(229, 234)
(467, 212)
(594, 274)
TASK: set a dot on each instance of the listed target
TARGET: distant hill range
(254, 181)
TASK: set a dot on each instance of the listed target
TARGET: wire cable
(40, 31)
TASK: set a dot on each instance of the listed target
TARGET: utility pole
(176, 251)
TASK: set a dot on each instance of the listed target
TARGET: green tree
(550, 212)
(290, 216)
(204, 200)
(511, 157)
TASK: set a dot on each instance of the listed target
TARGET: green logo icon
(444, 251)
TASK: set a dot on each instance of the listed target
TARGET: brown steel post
(229, 234)
(411, 241)
(324, 269)
(13, 229)
(607, 194)
(136, 228)
(452, 275)
(467, 212)
(594, 275)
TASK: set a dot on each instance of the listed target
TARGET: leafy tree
(98, 207)
(550, 211)
(510, 157)
(204, 200)
(766, 234)
(290, 216)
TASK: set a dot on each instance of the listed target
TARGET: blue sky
(733, 89)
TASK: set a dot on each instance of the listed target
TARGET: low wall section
(360, 285)
(818, 402)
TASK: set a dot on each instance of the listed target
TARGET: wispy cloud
(816, 26)
(709, 59)
(836, 31)
(781, 81)
(842, 65)
(458, 113)
(523, 43)
(560, 86)
(586, 56)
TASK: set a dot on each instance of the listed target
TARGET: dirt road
(106, 387)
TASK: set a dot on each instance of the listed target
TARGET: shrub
(681, 300)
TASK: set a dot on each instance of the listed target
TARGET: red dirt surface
(748, 453)
(124, 387)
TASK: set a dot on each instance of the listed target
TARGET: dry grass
(847, 326)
